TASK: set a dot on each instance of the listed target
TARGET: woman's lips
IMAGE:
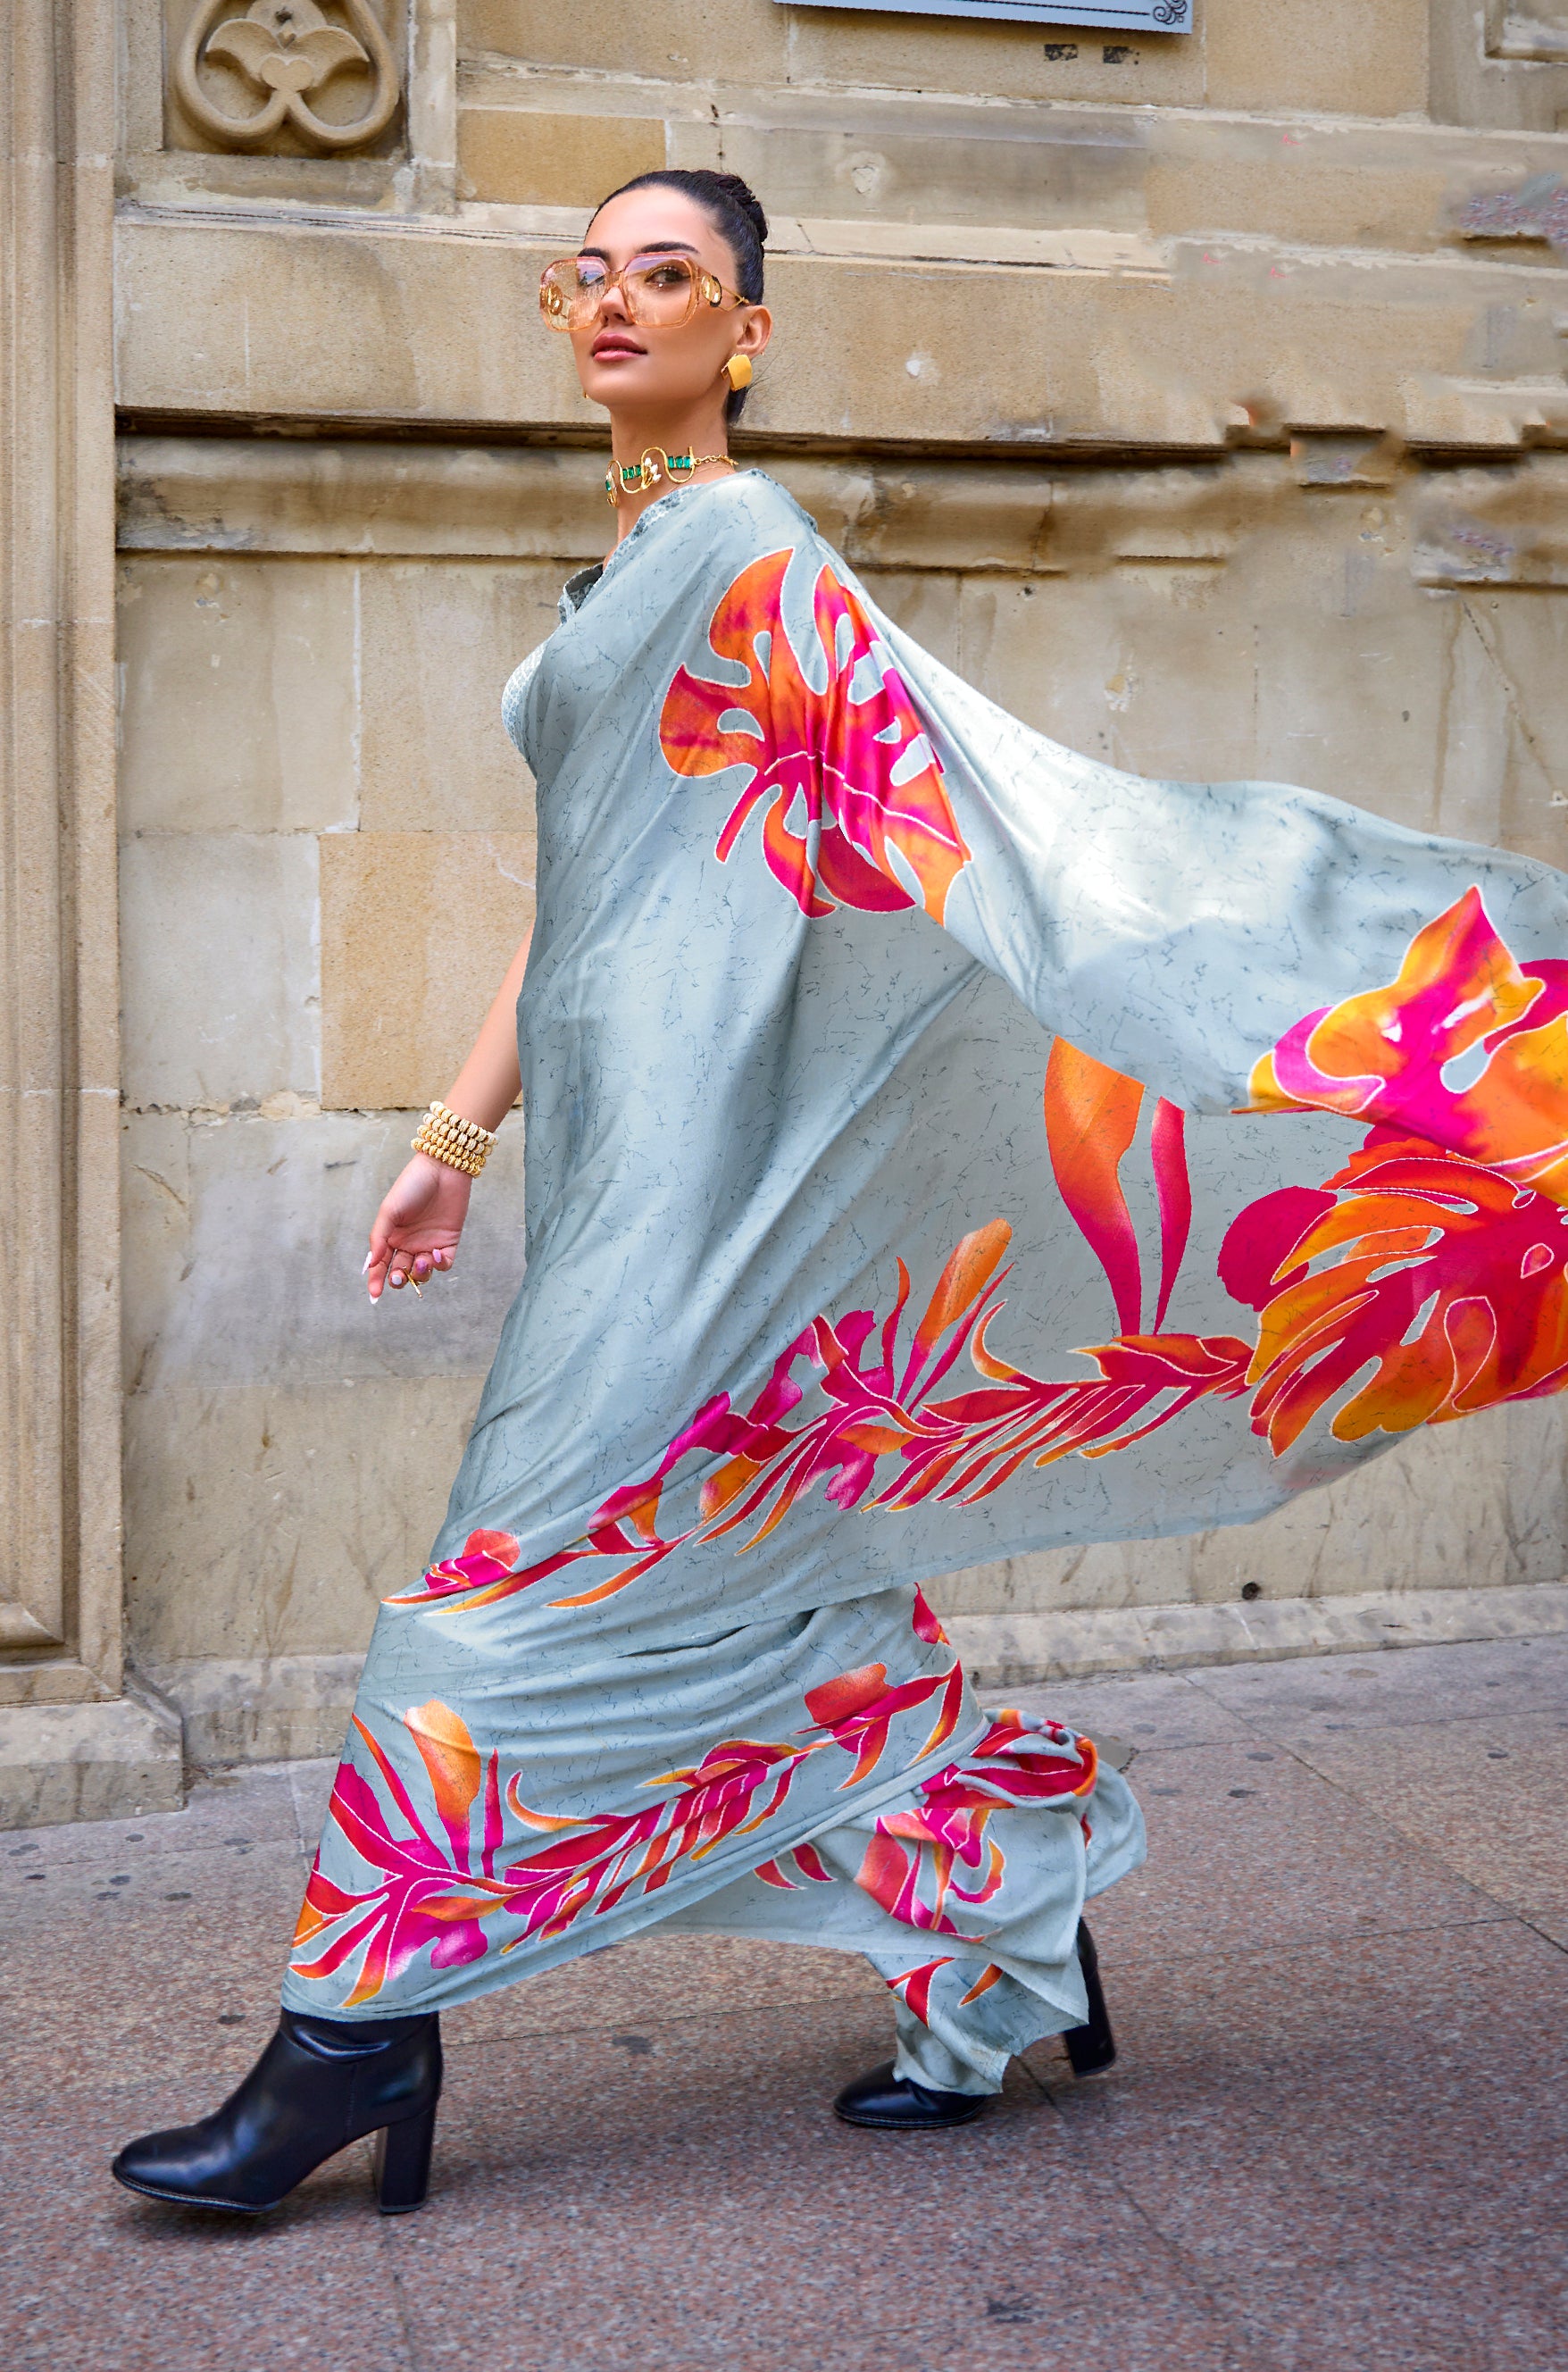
(606, 348)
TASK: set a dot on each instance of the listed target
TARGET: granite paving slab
(92, 2280)
(1487, 1797)
(1323, 1696)
(1250, 1849)
(173, 1972)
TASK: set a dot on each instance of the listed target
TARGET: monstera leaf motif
(1437, 1257)
(1461, 1005)
(855, 812)
(1441, 1274)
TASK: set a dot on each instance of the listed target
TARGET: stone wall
(1199, 396)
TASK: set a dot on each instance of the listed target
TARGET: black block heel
(401, 2162)
(321, 2084)
(1091, 2046)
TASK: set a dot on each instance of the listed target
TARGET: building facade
(1199, 394)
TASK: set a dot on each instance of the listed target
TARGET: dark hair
(735, 212)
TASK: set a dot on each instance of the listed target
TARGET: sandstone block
(263, 1521)
(219, 967)
(1078, 351)
(417, 931)
(517, 157)
(244, 1241)
(724, 40)
(1339, 58)
(237, 695)
(88, 1762)
(261, 1708)
(1450, 1507)
(247, 493)
(438, 641)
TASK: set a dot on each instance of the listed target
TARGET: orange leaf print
(971, 1265)
(1442, 1275)
(452, 1759)
(1382, 1055)
(855, 811)
(1091, 1115)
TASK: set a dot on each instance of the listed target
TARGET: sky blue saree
(939, 1145)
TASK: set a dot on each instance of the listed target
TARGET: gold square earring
(738, 370)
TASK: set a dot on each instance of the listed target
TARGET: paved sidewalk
(1335, 2139)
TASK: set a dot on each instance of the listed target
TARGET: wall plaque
(1135, 16)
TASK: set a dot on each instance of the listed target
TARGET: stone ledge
(1008, 1650)
(1080, 359)
(1502, 525)
(89, 1761)
(261, 1708)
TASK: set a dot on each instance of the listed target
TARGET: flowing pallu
(887, 1211)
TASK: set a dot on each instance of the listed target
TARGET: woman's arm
(416, 1229)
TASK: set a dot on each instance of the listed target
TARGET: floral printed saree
(939, 1145)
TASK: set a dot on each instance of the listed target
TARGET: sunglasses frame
(705, 290)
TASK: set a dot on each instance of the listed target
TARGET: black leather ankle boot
(896, 2104)
(321, 2084)
(1092, 2045)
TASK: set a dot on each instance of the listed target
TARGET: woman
(810, 915)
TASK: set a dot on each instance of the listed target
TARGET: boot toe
(173, 2165)
(892, 2103)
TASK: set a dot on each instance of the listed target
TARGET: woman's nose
(614, 301)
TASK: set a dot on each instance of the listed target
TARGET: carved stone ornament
(288, 52)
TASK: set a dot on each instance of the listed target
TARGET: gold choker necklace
(632, 477)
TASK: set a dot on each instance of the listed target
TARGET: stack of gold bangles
(460, 1144)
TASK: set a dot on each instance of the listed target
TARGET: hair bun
(746, 198)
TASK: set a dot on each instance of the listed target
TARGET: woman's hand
(417, 1228)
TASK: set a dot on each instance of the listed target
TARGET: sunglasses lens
(660, 290)
(570, 292)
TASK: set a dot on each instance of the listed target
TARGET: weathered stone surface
(712, 38)
(1287, 649)
(1007, 1651)
(365, 91)
(60, 1596)
(219, 967)
(1081, 358)
(261, 1709)
(1343, 58)
(246, 493)
(1452, 1507)
(417, 931)
(437, 645)
(88, 1762)
(238, 695)
(563, 160)
(265, 1521)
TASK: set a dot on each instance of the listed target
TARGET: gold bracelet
(460, 1144)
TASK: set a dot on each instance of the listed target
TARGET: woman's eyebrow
(648, 247)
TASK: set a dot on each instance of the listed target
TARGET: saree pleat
(939, 1145)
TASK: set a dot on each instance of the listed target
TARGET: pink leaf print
(852, 759)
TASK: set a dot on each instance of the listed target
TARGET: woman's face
(631, 369)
